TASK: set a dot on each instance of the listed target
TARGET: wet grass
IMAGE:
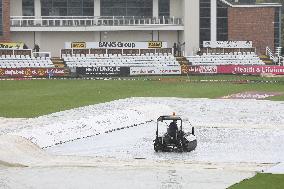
(218, 77)
(261, 181)
(39, 97)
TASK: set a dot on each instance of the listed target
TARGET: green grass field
(25, 99)
(261, 181)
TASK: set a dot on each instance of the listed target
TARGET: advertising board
(11, 45)
(227, 44)
(233, 69)
(165, 70)
(116, 45)
(78, 45)
(103, 71)
(32, 72)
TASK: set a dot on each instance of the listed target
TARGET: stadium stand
(133, 59)
(119, 60)
(249, 58)
(23, 59)
(225, 56)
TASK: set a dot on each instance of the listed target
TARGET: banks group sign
(116, 45)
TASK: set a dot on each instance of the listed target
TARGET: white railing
(88, 52)
(281, 61)
(271, 55)
(277, 58)
(278, 53)
(86, 21)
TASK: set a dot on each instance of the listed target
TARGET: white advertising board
(165, 70)
(227, 44)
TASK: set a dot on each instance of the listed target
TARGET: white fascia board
(227, 3)
(256, 5)
(259, 5)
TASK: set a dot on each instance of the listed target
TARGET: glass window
(133, 3)
(222, 36)
(205, 12)
(127, 8)
(1, 19)
(206, 4)
(222, 12)
(46, 3)
(88, 3)
(88, 11)
(164, 8)
(222, 21)
(28, 3)
(57, 11)
(205, 34)
(205, 1)
(67, 7)
(28, 7)
(205, 21)
(28, 11)
(74, 11)
(59, 3)
(75, 3)
(46, 11)
(107, 12)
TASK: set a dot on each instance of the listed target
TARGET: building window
(127, 8)
(222, 21)
(28, 8)
(205, 21)
(164, 8)
(67, 7)
(1, 18)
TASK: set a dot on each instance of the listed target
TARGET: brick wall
(252, 24)
(6, 21)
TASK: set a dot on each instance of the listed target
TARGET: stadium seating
(233, 58)
(24, 61)
(95, 60)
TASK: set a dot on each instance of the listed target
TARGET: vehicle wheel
(157, 147)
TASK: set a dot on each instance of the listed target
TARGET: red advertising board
(31, 72)
(233, 69)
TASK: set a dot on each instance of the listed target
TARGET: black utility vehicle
(174, 140)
